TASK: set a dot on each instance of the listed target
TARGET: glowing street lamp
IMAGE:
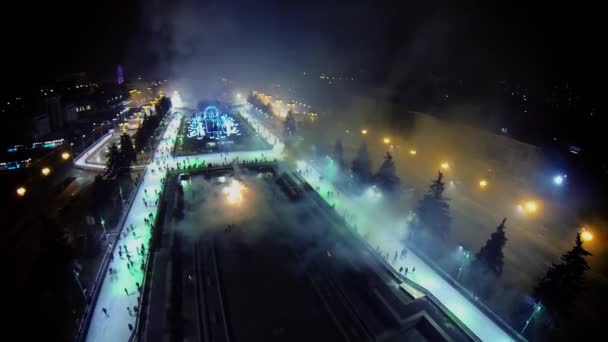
(65, 156)
(46, 171)
(21, 191)
(529, 207)
(483, 183)
(445, 165)
(364, 131)
(412, 152)
(466, 256)
(537, 307)
(559, 179)
(586, 235)
(386, 141)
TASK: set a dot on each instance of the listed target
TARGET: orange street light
(529, 207)
(586, 235)
(46, 171)
(386, 141)
(483, 183)
(445, 165)
(364, 131)
(21, 191)
(65, 156)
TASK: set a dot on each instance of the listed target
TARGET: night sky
(532, 44)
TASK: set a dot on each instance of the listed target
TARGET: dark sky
(479, 39)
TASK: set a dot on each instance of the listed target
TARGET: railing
(143, 302)
(340, 221)
(85, 321)
(467, 294)
(84, 153)
(487, 311)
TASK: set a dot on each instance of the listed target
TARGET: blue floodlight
(559, 180)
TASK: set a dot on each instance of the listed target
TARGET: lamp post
(535, 309)
(464, 259)
(103, 226)
(77, 278)
(122, 200)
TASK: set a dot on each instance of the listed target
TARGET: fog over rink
(261, 204)
(208, 209)
(258, 209)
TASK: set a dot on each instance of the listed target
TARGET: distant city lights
(176, 100)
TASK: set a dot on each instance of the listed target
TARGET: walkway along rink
(116, 308)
